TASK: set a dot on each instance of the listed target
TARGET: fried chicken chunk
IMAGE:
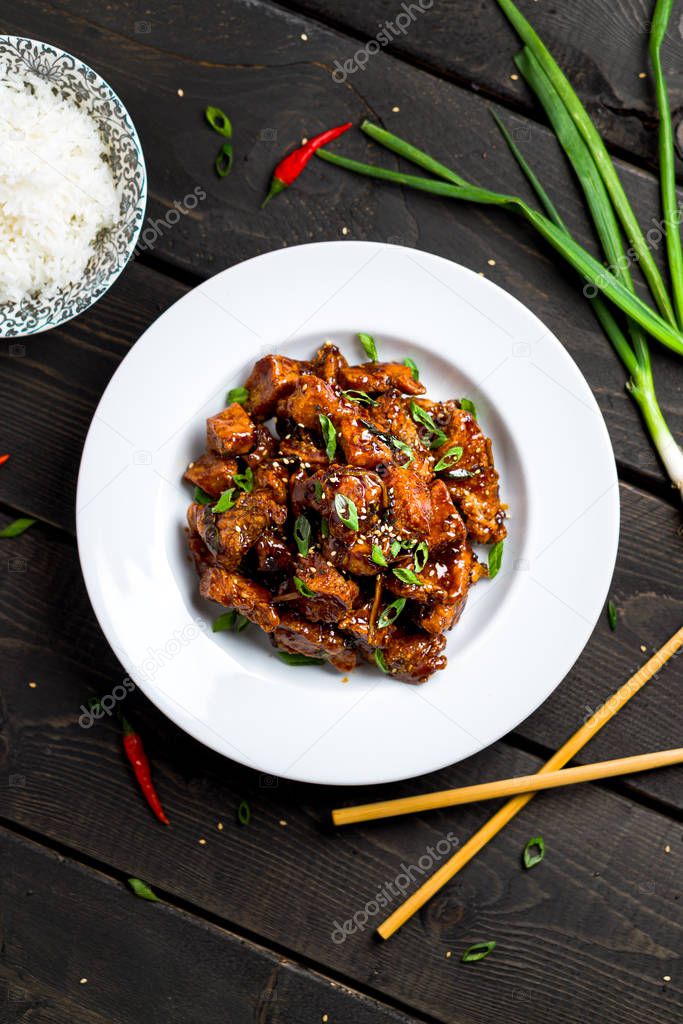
(314, 640)
(271, 380)
(375, 378)
(212, 473)
(231, 432)
(248, 598)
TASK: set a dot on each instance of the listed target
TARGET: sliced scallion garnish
(391, 612)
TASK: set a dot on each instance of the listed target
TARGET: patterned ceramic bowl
(76, 82)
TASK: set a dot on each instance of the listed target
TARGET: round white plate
(519, 634)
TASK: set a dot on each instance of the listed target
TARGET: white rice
(56, 191)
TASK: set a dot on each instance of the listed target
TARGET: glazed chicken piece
(273, 476)
(328, 363)
(375, 378)
(334, 594)
(299, 444)
(410, 506)
(234, 591)
(264, 447)
(212, 473)
(453, 569)
(310, 397)
(447, 527)
(230, 535)
(356, 624)
(231, 432)
(414, 657)
(314, 640)
(271, 380)
(272, 553)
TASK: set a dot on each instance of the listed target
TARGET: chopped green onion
(612, 615)
(245, 481)
(324, 529)
(223, 162)
(224, 622)
(378, 555)
(219, 121)
(302, 534)
(391, 612)
(244, 813)
(404, 448)
(239, 395)
(412, 367)
(495, 559)
(422, 417)
(201, 497)
(303, 588)
(142, 890)
(362, 397)
(329, 435)
(421, 555)
(478, 951)
(380, 661)
(395, 548)
(346, 510)
(534, 852)
(290, 658)
(225, 501)
(16, 528)
(452, 456)
(468, 405)
(408, 544)
(407, 576)
(241, 622)
(317, 490)
(368, 343)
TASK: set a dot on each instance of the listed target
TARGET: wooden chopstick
(507, 787)
(512, 807)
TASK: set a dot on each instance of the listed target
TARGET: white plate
(520, 633)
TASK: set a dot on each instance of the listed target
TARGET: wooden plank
(127, 960)
(598, 918)
(601, 47)
(273, 81)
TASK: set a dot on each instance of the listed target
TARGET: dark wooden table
(245, 929)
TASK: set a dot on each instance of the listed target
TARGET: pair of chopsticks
(522, 789)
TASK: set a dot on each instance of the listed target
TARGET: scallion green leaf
(302, 534)
(224, 622)
(317, 490)
(395, 548)
(361, 397)
(412, 367)
(223, 162)
(380, 661)
(449, 459)
(225, 501)
(241, 622)
(16, 528)
(478, 951)
(495, 559)
(244, 813)
(245, 481)
(201, 497)
(329, 435)
(421, 556)
(324, 529)
(219, 121)
(534, 852)
(391, 612)
(303, 588)
(239, 395)
(346, 510)
(368, 343)
(378, 555)
(404, 448)
(142, 890)
(612, 615)
(468, 405)
(290, 658)
(407, 576)
(422, 417)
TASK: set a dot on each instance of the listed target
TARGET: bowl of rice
(73, 186)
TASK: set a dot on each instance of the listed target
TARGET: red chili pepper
(135, 753)
(3, 458)
(289, 169)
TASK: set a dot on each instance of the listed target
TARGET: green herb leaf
(142, 890)
(368, 343)
(224, 622)
(468, 405)
(223, 162)
(421, 555)
(298, 659)
(404, 448)
(346, 510)
(378, 555)
(317, 490)
(201, 497)
(245, 481)
(239, 395)
(329, 435)
(495, 559)
(478, 951)
(409, 544)
(362, 397)
(407, 576)
(302, 534)
(219, 121)
(380, 661)
(425, 420)
(303, 588)
(241, 622)
(16, 528)
(412, 367)
(534, 852)
(452, 456)
(324, 529)
(612, 615)
(395, 548)
(244, 813)
(225, 501)
(391, 613)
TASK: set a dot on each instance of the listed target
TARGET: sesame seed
(283, 823)
(448, 954)
(202, 842)
(219, 826)
(181, 93)
(305, 40)
(643, 648)
(491, 263)
(345, 231)
(642, 74)
(83, 981)
(667, 848)
(667, 977)
(325, 1018)
(514, 77)
(395, 110)
(32, 685)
